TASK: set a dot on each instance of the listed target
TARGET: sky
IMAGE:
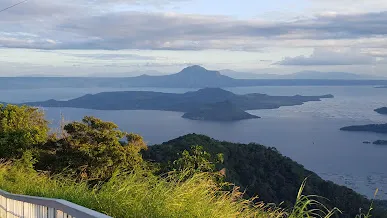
(107, 37)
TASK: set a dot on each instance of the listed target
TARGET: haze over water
(309, 133)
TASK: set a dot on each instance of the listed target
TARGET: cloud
(34, 11)
(97, 24)
(327, 57)
(163, 31)
(44, 8)
(110, 57)
(352, 25)
(348, 6)
(27, 42)
(377, 52)
(382, 61)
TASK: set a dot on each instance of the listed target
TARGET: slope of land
(126, 74)
(247, 75)
(262, 171)
(328, 75)
(300, 75)
(202, 100)
(380, 142)
(382, 110)
(190, 77)
(377, 128)
(221, 111)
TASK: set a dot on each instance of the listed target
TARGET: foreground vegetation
(136, 195)
(90, 164)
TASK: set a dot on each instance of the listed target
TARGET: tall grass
(309, 206)
(368, 214)
(141, 194)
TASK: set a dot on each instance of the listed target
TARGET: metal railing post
(23, 206)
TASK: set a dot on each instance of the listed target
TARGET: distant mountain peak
(198, 70)
(194, 67)
(214, 90)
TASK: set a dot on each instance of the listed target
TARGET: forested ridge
(262, 171)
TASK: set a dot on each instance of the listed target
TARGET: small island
(382, 110)
(377, 128)
(204, 104)
(221, 111)
(380, 142)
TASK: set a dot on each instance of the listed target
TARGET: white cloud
(322, 57)
(346, 6)
(138, 30)
(94, 25)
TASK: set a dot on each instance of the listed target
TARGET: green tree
(94, 148)
(197, 159)
(21, 128)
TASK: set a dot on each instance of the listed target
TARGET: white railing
(22, 206)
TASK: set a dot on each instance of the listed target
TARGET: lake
(309, 133)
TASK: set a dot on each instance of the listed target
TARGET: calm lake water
(309, 134)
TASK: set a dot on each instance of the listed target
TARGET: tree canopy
(96, 149)
(21, 128)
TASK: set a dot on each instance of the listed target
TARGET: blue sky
(82, 37)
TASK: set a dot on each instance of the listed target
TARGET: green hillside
(264, 172)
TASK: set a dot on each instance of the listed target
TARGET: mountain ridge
(376, 128)
(186, 102)
(190, 77)
(306, 74)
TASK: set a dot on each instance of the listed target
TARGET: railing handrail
(67, 207)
